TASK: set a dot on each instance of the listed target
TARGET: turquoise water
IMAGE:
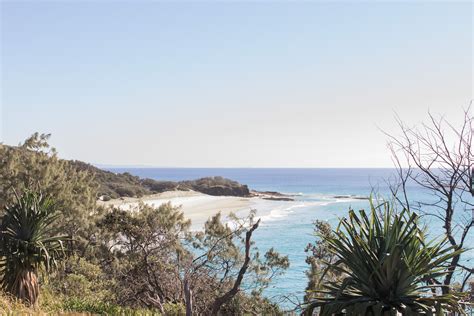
(287, 226)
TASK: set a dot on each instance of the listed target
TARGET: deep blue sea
(287, 226)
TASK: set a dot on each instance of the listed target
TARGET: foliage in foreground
(27, 245)
(387, 264)
(156, 261)
(143, 260)
(318, 258)
(35, 166)
(53, 304)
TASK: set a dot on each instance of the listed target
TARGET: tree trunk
(221, 300)
(188, 298)
(25, 286)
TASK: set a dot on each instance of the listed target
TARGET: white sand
(198, 207)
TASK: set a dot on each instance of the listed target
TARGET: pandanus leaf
(387, 262)
(27, 243)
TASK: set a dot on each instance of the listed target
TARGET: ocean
(288, 226)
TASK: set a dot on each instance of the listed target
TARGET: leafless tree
(438, 156)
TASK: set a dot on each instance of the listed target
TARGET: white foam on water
(277, 210)
(270, 210)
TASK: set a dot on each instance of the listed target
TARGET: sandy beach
(198, 207)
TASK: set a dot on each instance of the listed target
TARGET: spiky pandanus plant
(389, 267)
(27, 245)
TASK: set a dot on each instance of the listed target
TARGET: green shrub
(173, 309)
(83, 306)
(85, 280)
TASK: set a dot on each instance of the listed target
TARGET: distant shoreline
(197, 206)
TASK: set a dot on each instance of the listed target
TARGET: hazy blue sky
(230, 84)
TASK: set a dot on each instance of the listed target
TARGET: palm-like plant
(28, 245)
(388, 265)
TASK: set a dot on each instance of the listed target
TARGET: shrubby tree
(318, 258)
(143, 251)
(159, 263)
(35, 165)
(228, 256)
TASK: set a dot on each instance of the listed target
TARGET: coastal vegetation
(62, 251)
(36, 153)
(27, 245)
(116, 185)
(438, 156)
(112, 261)
(381, 261)
(386, 265)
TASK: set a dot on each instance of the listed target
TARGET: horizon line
(181, 167)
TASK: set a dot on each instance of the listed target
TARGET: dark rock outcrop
(272, 198)
(217, 186)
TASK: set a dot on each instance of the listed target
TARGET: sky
(230, 84)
